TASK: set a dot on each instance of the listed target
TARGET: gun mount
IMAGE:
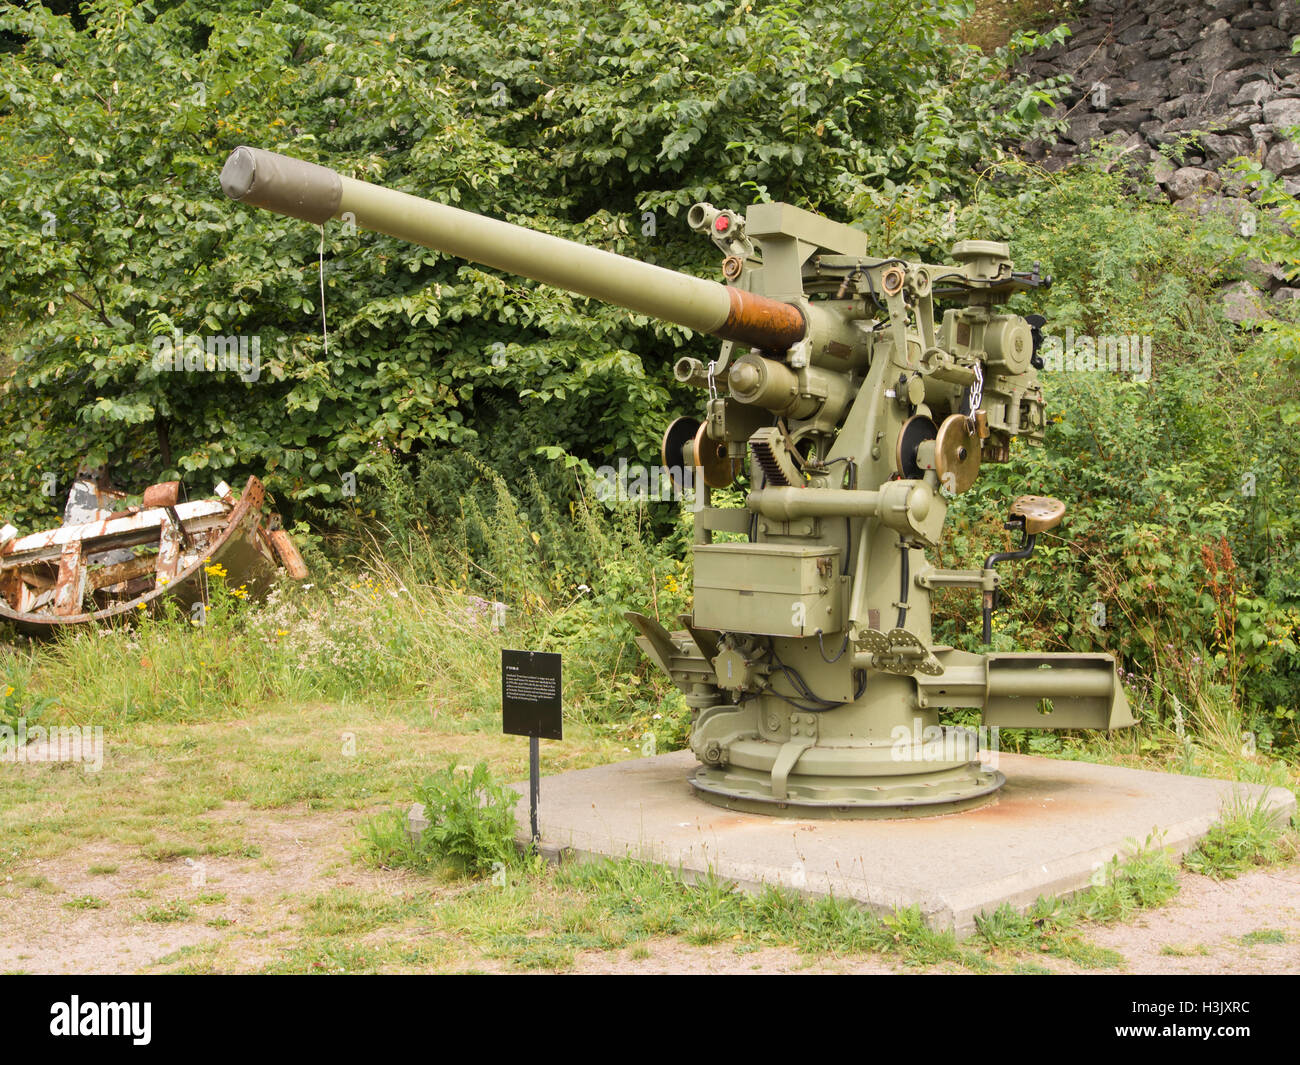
(857, 411)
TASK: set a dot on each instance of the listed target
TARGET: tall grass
(407, 615)
(1249, 835)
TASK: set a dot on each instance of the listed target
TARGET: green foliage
(85, 902)
(470, 831)
(540, 919)
(1181, 521)
(1263, 935)
(471, 819)
(651, 901)
(1145, 879)
(170, 912)
(17, 705)
(566, 576)
(174, 665)
(114, 234)
(402, 623)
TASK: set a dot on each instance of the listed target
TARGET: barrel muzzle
(278, 183)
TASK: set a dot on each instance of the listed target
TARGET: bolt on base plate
(843, 798)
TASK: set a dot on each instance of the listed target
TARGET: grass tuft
(1247, 837)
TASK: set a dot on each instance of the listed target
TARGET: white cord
(325, 333)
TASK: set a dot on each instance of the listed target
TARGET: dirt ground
(246, 914)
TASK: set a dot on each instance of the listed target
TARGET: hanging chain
(976, 397)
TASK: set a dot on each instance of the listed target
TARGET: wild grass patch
(1247, 837)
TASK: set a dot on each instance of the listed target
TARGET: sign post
(530, 706)
(534, 784)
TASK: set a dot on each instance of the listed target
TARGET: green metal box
(772, 589)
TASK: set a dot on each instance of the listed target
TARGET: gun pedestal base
(843, 798)
(878, 756)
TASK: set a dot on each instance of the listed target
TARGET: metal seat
(1039, 513)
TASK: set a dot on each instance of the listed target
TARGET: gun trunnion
(859, 412)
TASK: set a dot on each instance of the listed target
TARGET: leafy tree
(594, 124)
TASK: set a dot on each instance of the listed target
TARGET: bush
(471, 819)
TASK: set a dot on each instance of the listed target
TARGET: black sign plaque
(530, 694)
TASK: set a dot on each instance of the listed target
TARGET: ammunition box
(771, 589)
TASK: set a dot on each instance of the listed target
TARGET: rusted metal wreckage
(104, 563)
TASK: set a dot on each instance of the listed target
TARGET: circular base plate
(929, 795)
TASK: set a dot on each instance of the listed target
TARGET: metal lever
(991, 597)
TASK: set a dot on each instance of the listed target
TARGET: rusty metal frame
(250, 552)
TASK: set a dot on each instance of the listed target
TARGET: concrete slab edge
(943, 911)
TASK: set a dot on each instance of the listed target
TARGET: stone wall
(1210, 79)
(1219, 71)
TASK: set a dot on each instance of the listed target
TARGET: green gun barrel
(315, 193)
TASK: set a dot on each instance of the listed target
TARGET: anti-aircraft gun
(857, 412)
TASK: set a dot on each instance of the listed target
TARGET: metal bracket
(785, 760)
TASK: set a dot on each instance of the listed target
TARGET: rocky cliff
(1184, 87)
(1217, 76)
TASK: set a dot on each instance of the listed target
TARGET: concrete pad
(1050, 828)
